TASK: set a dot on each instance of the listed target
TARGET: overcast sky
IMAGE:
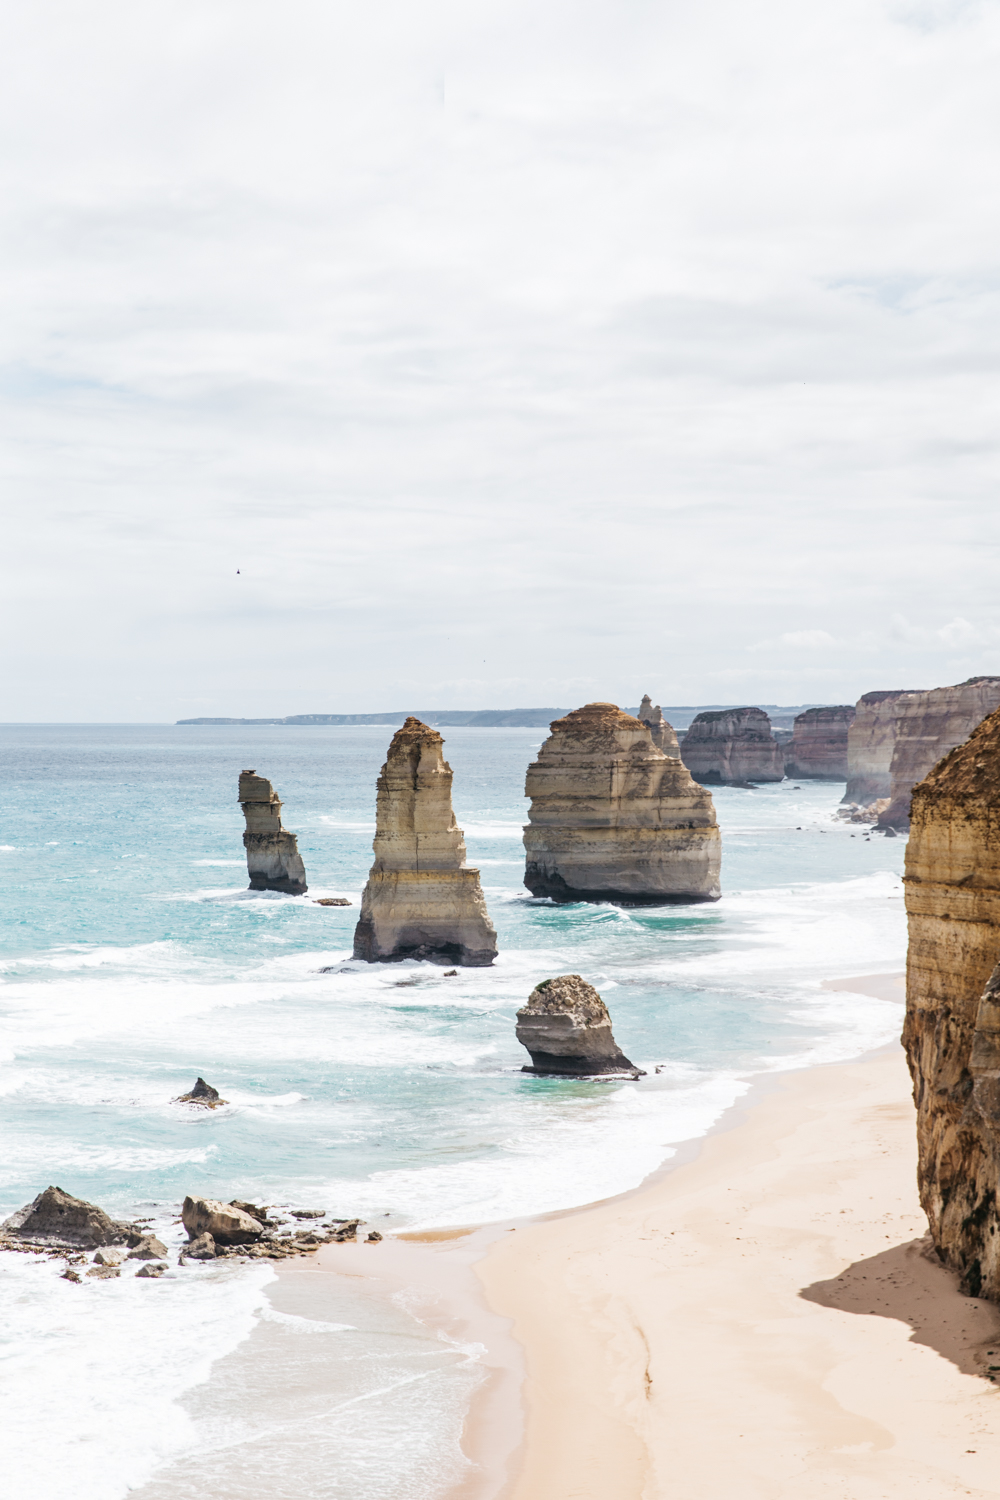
(515, 353)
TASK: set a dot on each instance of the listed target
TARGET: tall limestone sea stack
(952, 1030)
(661, 733)
(733, 745)
(422, 900)
(928, 725)
(273, 859)
(613, 818)
(818, 748)
(871, 740)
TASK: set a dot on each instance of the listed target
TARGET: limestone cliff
(871, 740)
(928, 726)
(818, 747)
(952, 1030)
(273, 859)
(613, 818)
(660, 732)
(422, 900)
(566, 1029)
(733, 745)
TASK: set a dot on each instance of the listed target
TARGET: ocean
(133, 958)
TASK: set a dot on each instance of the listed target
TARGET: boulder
(109, 1255)
(202, 1247)
(105, 1273)
(732, 746)
(817, 750)
(332, 901)
(374, 1238)
(70, 1275)
(928, 725)
(57, 1218)
(202, 1093)
(421, 900)
(151, 1270)
(260, 1214)
(567, 1030)
(613, 818)
(660, 732)
(952, 1029)
(224, 1223)
(273, 859)
(148, 1248)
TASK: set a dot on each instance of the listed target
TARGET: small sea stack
(732, 746)
(660, 732)
(613, 818)
(273, 859)
(566, 1028)
(818, 748)
(952, 1029)
(421, 900)
(928, 725)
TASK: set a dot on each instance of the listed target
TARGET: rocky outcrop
(422, 900)
(818, 747)
(732, 746)
(202, 1093)
(148, 1248)
(613, 818)
(952, 1030)
(660, 732)
(273, 859)
(57, 1218)
(928, 726)
(566, 1028)
(225, 1224)
(871, 740)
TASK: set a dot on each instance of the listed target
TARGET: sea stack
(952, 1030)
(422, 900)
(871, 740)
(613, 818)
(567, 1030)
(818, 748)
(273, 859)
(928, 726)
(732, 746)
(660, 732)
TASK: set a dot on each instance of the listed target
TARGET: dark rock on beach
(151, 1271)
(56, 1218)
(202, 1093)
(567, 1030)
(202, 1247)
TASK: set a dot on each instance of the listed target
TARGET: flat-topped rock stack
(273, 859)
(613, 818)
(422, 900)
(952, 1030)
(928, 725)
(734, 746)
(567, 1030)
(871, 740)
(818, 747)
(660, 732)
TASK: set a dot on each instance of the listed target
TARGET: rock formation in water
(660, 732)
(273, 858)
(202, 1093)
(613, 818)
(422, 900)
(732, 745)
(57, 1218)
(818, 747)
(871, 740)
(952, 1030)
(566, 1028)
(225, 1224)
(928, 726)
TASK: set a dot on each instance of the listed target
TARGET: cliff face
(732, 745)
(952, 1031)
(421, 900)
(613, 818)
(566, 1029)
(871, 740)
(928, 726)
(660, 732)
(273, 859)
(818, 747)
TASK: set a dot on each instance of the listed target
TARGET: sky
(355, 358)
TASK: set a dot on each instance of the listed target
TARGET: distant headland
(500, 718)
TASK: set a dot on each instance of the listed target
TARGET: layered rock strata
(732, 745)
(660, 732)
(952, 1030)
(273, 859)
(422, 900)
(928, 726)
(871, 740)
(613, 818)
(567, 1030)
(818, 747)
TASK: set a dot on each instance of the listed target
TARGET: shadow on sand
(907, 1282)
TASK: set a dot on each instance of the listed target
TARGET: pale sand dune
(759, 1322)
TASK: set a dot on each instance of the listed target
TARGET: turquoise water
(132, 958)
